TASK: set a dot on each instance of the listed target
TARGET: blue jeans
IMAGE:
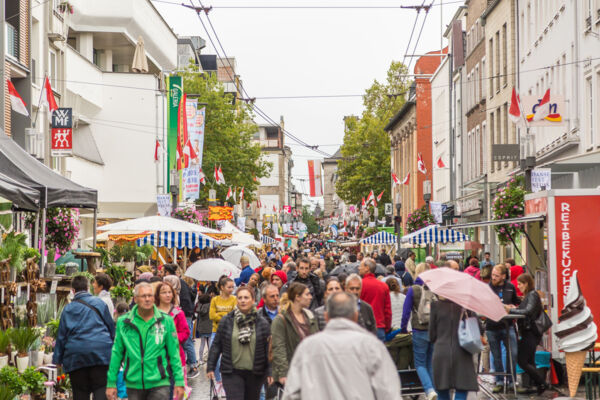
(188, 346)
(218, 367)
(458, 394)
(423, 352)
(495, 339)
(381, 334)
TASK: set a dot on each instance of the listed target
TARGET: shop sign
(62, 133)
(557, 110)
(505, 152)
(541, 179)
(466, 205)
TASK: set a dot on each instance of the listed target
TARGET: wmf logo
(62, 118)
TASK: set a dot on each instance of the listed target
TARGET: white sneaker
(432, 395)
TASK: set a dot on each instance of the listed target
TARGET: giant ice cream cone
(575, 362)
(576, 333)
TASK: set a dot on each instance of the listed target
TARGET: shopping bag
(469, 336)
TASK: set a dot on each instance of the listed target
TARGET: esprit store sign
(62, 132)
(556, 117)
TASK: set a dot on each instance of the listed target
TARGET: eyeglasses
(143, 296)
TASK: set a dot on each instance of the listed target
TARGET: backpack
(424, 306)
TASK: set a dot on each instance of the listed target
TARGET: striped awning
(434, 234)
(382, 237)
(268, 240)
(178, 240)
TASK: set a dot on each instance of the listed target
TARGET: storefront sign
(466, 205)
(174, 93)
(541, 179)
(163, 203)
(505, 152)
(557, 110)
(62, 133)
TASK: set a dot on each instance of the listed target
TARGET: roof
(336, 156)
(399, 115)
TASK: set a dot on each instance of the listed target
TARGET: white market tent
(179, 240)
(379, 240)
(239, 237)
(156, 223)
(434, 234)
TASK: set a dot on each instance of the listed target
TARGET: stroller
(400, 348)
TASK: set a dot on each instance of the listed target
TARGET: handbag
(542, 323)
(469, 336)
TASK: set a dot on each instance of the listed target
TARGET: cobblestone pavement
(200, 385)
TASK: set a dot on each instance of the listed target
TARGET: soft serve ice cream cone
(576, 333)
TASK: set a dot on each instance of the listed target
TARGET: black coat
(315, 286)
(530, 307)
(187, 296)
(508, 295)
(453, 367)
(221, 346)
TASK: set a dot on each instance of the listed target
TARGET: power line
(296, 7)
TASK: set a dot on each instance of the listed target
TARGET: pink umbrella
(465, 291)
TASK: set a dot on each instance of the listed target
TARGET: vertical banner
(175, 86)
(163, 202)
(195, 135)
(314, 177)
(62, 132)
(241, 224)
(436, 211)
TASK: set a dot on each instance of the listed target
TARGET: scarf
(245, 323)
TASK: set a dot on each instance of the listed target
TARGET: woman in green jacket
(290, 327)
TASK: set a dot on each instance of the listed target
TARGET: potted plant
(6, 393)
(23, 338)
(121, 293)
(4, 348)
(129, 253)
(13, 247)
(50, 264)
(71, 268)
(11, 381)
(48, 343)
(33, 381)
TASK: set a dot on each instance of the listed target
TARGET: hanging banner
(241, 224)
(62, 133)
(314, 177)
(436, 211)
(175, 90)
(220, 213)
(163, 202)
(195, 130)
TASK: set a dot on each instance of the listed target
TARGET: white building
(440, 132)
(118, 114)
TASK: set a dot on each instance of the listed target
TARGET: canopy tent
(268, 240)
(156, 223)
(53, 190)
(434, 234)
(381, 237)
(178, 240)
(23, 197)
(239, 237)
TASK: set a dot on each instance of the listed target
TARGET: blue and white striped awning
(179, 240)
(381, 237)
(268, 240)
(434, 234)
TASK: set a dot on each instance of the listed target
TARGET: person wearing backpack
(417, 308)
(377, 294)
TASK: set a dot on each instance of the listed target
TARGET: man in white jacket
(342, 362)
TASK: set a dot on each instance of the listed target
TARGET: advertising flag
(421, 164)
(514, 112)
(314, 177)
(175, 90)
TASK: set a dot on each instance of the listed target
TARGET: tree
(228, 140)
(309, 219)
(365, 163)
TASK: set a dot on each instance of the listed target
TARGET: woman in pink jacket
(166, 299)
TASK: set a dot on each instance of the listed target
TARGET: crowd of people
(309, 323)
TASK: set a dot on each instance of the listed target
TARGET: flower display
(509, 203)
(188, 214)
(62, 228)
(419, 219)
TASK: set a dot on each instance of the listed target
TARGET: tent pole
(43, 246)
(95, 232)
(36, 232)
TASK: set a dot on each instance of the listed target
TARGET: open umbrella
(465, 291)
(234, 253)
(211, 269)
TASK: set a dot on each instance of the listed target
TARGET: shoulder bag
(85, 303)
(469, 336)
(542, 323)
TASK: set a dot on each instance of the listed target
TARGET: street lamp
(427, 198)
(398, 220)
(174, 189)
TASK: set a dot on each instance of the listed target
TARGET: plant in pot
(121, 293)
(6, 393)
(13, 247)
(144, 253)
(4, 348)
(23, 338)
(48, 343)
(129, 254)
(50, 264)
(33, 381)
(11, 380)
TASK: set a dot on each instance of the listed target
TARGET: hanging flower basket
(510, 203)
(64, 7)
(188, 214)
(419, 220)
(62, 228)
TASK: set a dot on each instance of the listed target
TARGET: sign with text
(195, 126)
(62, 133)
(556, 117)
(541, 179)
(163, 203)
(505, 152)
(389, 209)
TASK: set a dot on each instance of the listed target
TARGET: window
(492, 139)
(484, 147)
(491, 80)
(505, 122)
(590, 111)
(498, 131)
(52, 65)
(504, 54)
(477, 80)
(497, 69)
(484, 82)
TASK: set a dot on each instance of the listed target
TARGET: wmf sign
(62, 132)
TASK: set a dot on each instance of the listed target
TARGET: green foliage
(31, 252)
(13, 246)
(52, 326)
(12, 381)
(23, 338)
(121, 291)
(309, 219)
(60, 269)
(118, 274)
(144, 253)
(510, 203)
(365, 163)
(88, 275)
(228, 136)
(104, 255)
(6, 393)
(123, 252)
(419, 219)
(33, 380)
(4, 342)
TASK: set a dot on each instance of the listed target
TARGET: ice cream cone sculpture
(576, 333)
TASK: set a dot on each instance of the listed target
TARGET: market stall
(378, 241)
(239, 237)
(434, 234)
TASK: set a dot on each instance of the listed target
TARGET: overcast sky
(308, 52)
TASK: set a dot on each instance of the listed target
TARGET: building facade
(332, 204)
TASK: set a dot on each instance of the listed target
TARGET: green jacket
(149, 351)
(286, 339)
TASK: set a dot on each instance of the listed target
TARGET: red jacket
(377, 294)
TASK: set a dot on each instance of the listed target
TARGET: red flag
(202, 177)
(440, 163)
(16, 102)
(274, 208)
(543, 108)
(242, 195)
(380, 195)
(229, 193)
(48, 96)
(216, 176)
(314, 178)
(405, 181)
(363, 204)
(156, 147)
(421, 164)
(395, 179)
(221, 176)
(514, 112)
(370, 197)
(182, 135)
